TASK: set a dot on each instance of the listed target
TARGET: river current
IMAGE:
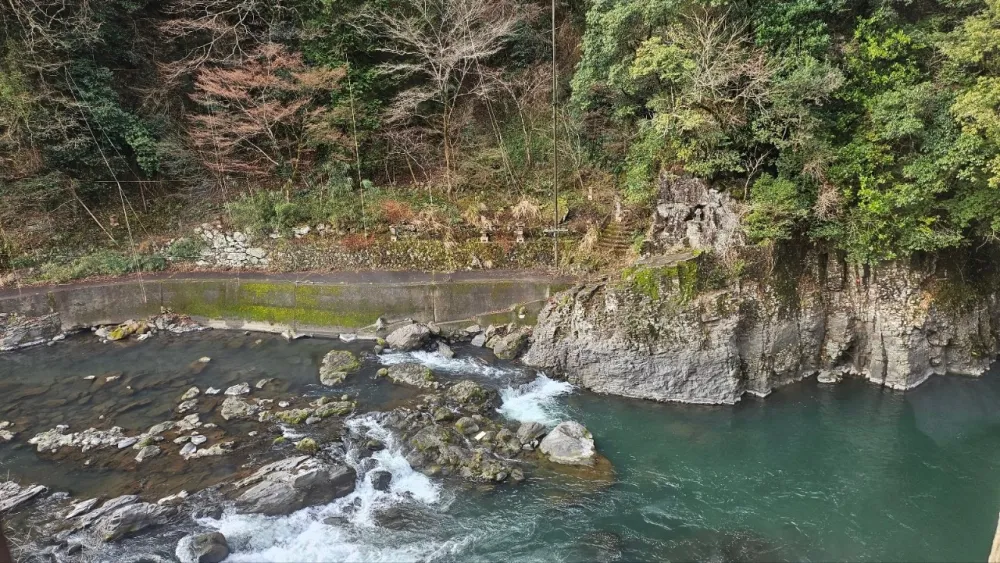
(810, 473)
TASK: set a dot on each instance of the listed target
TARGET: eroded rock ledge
(659, 333)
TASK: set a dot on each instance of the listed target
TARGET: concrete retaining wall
(329, 303)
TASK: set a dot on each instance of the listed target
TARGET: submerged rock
(211, 547)
(187, 406)
(414, 374)
(569, 443)
(291, 484)
(380, 479)
(409, 337)
(336, 366)
(147, 452)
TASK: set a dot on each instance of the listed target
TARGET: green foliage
(102, 263)
(776, 209)
(642, 164)
(185, 249)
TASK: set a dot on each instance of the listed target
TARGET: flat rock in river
(13, 495)
(410, 373)
(569, 443)
(129, 519)
(409, 337)
(234, 407)
(291, 484)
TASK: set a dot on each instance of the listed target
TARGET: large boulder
(511, 346)
(130, 519)
(291, 484)
(203, 548)
(414, 374)
(337, 364)
(409, 337)
(569, 443)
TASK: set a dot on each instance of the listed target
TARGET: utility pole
(555, 142)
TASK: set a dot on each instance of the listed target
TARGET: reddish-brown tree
(264, 115)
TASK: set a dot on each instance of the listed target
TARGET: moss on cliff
(677, 281)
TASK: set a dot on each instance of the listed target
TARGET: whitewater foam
(354, 534)
(537, 401)
(436, 361)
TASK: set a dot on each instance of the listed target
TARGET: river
(810, 473)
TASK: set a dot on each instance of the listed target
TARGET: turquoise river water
(810, 473)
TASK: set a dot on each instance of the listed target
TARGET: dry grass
(526, 210)
(356, 242)
(396, 212)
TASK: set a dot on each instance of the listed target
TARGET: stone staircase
(615, 239)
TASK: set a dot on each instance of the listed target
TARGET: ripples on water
(812, 473)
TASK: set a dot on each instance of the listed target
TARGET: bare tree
(207, 32)
(440, 44)
(263, 114)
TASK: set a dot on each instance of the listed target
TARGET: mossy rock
(293, 416)
(279, 440)
(336, 366)
(307, 445)
(443, 414)
(335, 408)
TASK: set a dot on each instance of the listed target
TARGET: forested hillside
(872, 127)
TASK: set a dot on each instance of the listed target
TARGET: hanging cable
(121, 192)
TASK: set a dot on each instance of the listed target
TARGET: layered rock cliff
(665, 330)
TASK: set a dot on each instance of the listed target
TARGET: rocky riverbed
(192, 423)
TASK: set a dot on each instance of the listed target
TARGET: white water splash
(537, 401)
(354, 535)
(436, 361)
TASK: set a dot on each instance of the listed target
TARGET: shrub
(185, 249)
(255, 213)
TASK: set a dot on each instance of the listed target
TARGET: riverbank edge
(319, 303)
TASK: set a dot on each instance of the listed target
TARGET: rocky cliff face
(659, 332)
